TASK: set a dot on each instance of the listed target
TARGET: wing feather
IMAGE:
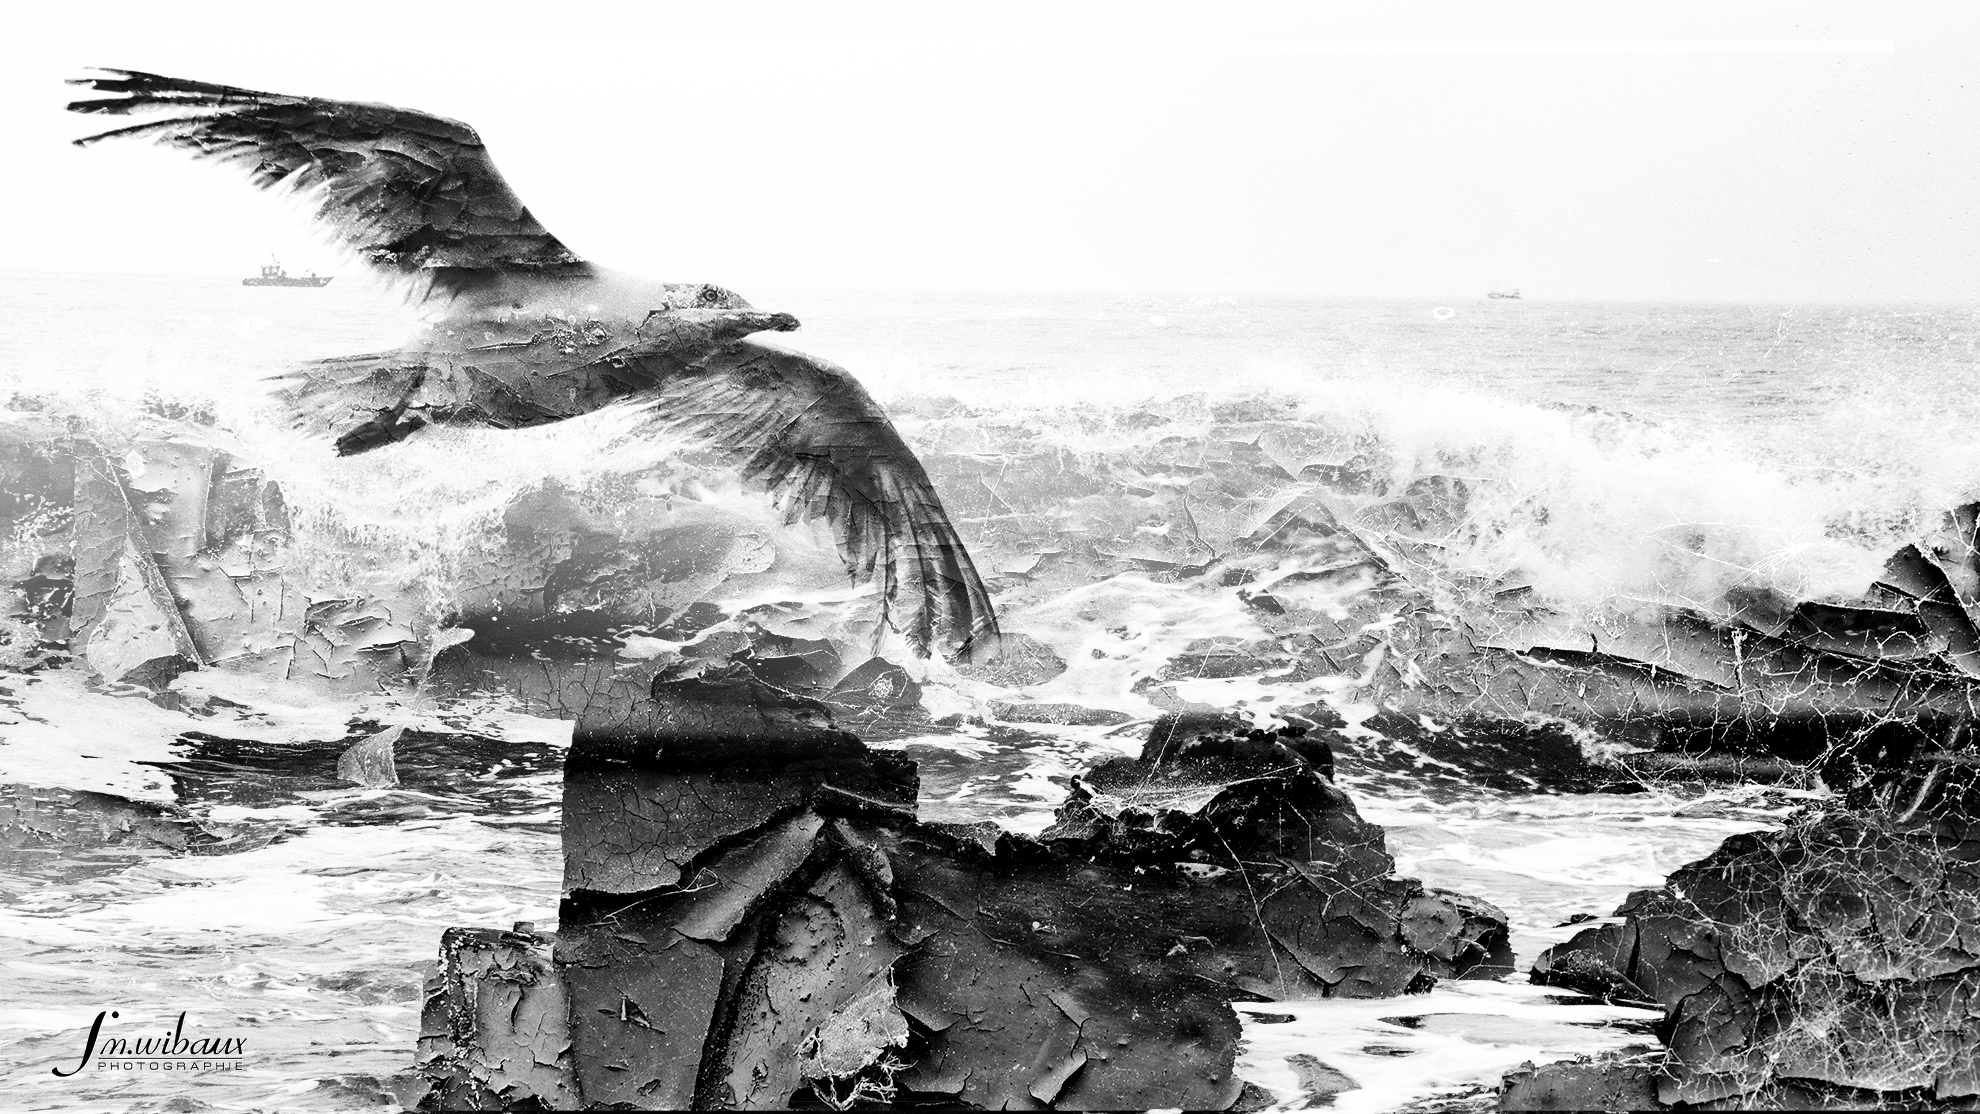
(805, 431)
(414, 195)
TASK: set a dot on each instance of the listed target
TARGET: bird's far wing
(806, 431)
(414, 195)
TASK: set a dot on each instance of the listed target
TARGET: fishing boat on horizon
(272, 274)
(1502, 294)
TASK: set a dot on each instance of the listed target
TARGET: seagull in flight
(528, 333)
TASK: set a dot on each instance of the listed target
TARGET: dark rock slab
(495, 1033)
(1618, 1083)
(879, 700)
(66, 834)
(1838, 956)
(1594, 974)
(735, 755)
(756, 918)
(439, 774)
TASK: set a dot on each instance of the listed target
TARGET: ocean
(1096, 452)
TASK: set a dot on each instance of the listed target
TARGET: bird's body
(528, 334)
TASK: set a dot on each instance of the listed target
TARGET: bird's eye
(710, 295)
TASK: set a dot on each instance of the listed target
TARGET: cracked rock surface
(754, 918)
(1835, 963)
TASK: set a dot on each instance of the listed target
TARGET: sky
(1763, 151)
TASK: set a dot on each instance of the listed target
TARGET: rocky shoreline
(1828, 963)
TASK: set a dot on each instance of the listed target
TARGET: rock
(1431, 506)
(1585, 972)
(668, 823)
(1836, 957)
(48, 595)
(1208, 735)
(1620, 1083)
(808, 665)
(1300, 520)
(755, 917)
(172, 557)
(1465, 752)
(704, 704)
(495, 1030)
(1223, 657)
(127, 625)
(443, 774)
(1204, 793)
(1021, 661)
(370, 762)
(1355, 476)
(879, 700)
(877, 684)
(1065, 715)
(66, 834)
(1318, 1083)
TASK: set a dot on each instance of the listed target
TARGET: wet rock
(66, 834)
(1021, 661)
(495, 1030)
(1430, 506)
(1837, 956)
(879, 700)
(755, 917)
(563, 666)
(1467, 752)
(876, 684)
(1302, 518)
(440, 774)
(47, 596)
(1318, 1083)
(170, 556)
(127, 625)
(1355, 476)
(1586, 972)
(1065, 715)
(1204, 792)
(807, 665)
(1219, 658)
(704, 703)
(668, 823)
(1619, 1083)
(370, 762)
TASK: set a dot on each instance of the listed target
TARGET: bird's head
(699, 295)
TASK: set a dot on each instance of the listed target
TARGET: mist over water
(1614, 457)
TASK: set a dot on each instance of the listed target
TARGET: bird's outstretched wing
(797, 427)
(414, 195)
(808, 433)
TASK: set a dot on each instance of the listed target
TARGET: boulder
(1834, 961)
(755, 917)
(1021, 661)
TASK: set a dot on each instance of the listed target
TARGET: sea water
(1620, 456)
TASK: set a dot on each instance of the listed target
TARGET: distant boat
(1502, 294)
(272, 274)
